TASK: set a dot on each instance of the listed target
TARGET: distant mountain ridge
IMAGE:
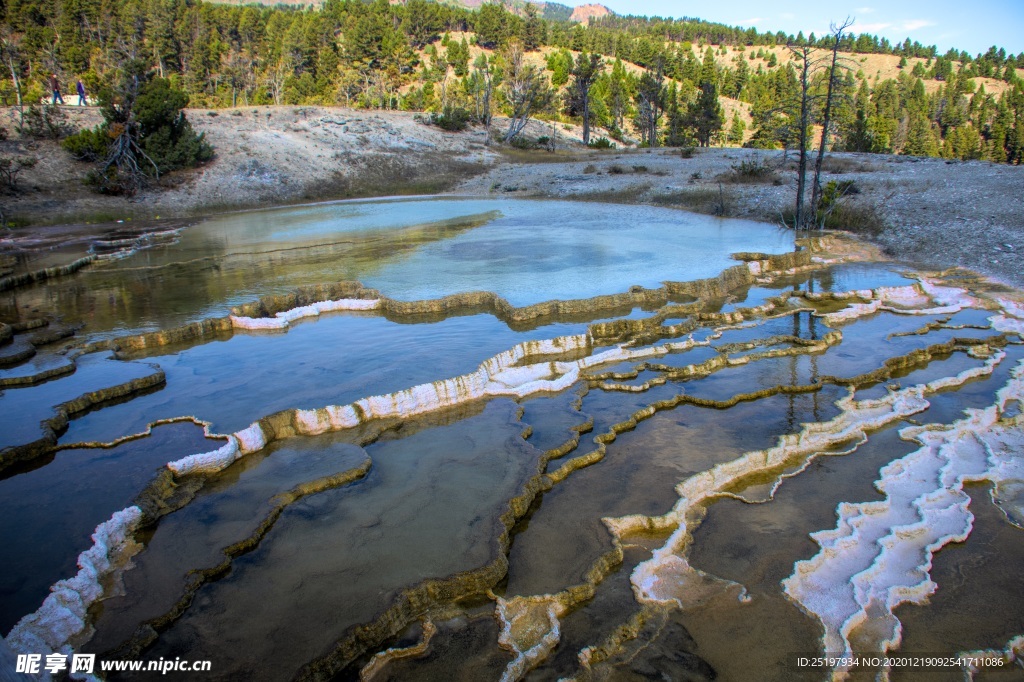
(585, 13)
(553, 11)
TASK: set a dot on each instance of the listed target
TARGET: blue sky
(971, 25)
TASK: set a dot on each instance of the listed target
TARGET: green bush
(167, 136)
(155, 136)
(521, 142)
(601, 143)
(87, 145)
(749, 172)
(46, 122)
(834, 191)
(453, 119)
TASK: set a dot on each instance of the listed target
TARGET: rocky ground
(930, 211)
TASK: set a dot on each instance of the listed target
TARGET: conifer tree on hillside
(368, 54)
(619, 95)
(705, 114)
(737, 129)
(534, 29)
(495, 26)
(144, 133)
(560, 64)
(584, 73)
(708, 69)
(677, 133)
(650, 103)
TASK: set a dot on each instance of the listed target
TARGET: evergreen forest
(659, 82)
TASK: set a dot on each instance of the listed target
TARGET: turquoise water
(525, 251)
(335, 359)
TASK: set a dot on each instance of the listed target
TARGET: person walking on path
(82, 101)
(55, 86)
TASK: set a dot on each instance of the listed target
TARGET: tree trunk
(488, 87)
(801, 177)
(586, 118)
(17, 90)
(827, 120)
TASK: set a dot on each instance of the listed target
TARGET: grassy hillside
(551, 11)
(419, 55)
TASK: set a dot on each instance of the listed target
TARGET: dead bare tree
(11, 168)
(525, 89)
(809, 64)
(124, 169)
(804, 53)
(10, 49)
(833, 77)
(276, 76)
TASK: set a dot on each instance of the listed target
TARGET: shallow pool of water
(525, 251)
(638, 481)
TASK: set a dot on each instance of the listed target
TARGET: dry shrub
(392, 174)
(863, 219)
(625, 195)
(752, 172)
(537, 155)
(859, 219)
(841, 164)
(704, 199)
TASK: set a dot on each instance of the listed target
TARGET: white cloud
(864, 10)
(871, 28)
(788, 15)
(752, 20)
(915, 24)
